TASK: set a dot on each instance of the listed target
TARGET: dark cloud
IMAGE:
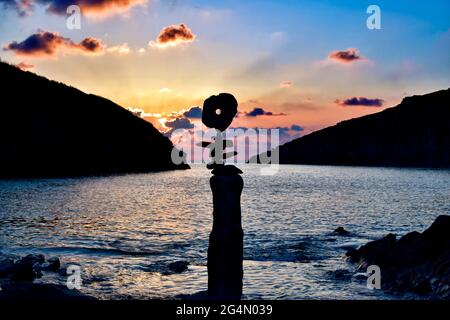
(296, 127)
(179, 123)
(98, 7)
(193, 113)
(174, 34)
(44, 43)
(360, 101)
(345, 56)
(41, 43)
(90, 44)
(258, 112)
(261, 112)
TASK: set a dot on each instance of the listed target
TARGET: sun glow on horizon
(161, 59)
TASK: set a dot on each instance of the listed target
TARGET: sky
(295, 65)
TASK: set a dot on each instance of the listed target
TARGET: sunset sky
(297, 65)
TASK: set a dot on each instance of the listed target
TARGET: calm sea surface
(124, 230)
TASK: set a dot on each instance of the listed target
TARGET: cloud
(137, 112)
(59, 7)
(166, 123)
(22, 7)
(178, 123)
(24, 66)
(360, 101)
(346, 56)
(153, 118)
(172, 36)
(44, 43)
(41, 43)
(120, 49)
(193, 113)
(261, 112)
(296, 127)
(258, 112)
(164, 90)
(286, 84)
(89, 45)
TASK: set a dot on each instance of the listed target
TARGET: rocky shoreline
(17, 276)
(417, 262)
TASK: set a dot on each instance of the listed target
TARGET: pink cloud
(345, 56)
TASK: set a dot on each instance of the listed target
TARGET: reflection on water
(120, 229)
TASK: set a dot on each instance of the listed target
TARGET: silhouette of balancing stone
(225, 252)
(219, 111)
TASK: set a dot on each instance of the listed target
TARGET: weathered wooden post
(225, 251)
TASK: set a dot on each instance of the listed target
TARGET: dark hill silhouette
(50, 129)
(416, 133)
